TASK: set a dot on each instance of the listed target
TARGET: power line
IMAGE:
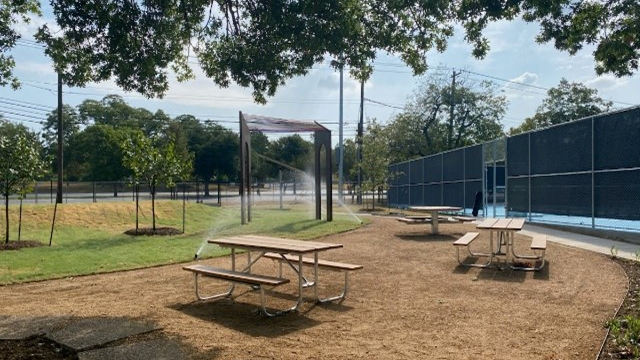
(24, 104)
(506, 80)
(23, 120)
(383, 104)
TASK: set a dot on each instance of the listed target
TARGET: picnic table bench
(538, 243)
(326, 264)
(238, 277)
(465, 241)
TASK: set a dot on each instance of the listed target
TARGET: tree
(565, 102)
(252, 43)
(612, 26)
(375, 158)
(20, 162)
(112, 110)
(216, 154)
(292, 150)
(153, 165)
(262, 44)
(96, 154)
(260, 168)
(71, 124)
(11, 13)
(349, 166)
(442, 116)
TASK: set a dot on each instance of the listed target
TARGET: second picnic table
(434, 210)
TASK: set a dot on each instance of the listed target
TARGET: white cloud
(605, 82)
(35, 67)
(28, 30)
(526, 78)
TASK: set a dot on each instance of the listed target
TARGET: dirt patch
(411, 301)
(611, 349)
(164, 231)
(19, 244)
(35, 348)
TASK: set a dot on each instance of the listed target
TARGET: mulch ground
(411, 300)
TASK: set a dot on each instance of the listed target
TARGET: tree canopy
(12, 12)
(261, 44)
(153, 164)
(442, 116)
(565, 102)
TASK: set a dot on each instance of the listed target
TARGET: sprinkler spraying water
(195, 257)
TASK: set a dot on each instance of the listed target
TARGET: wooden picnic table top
(267, 243)
(435, 208)
(508, 224)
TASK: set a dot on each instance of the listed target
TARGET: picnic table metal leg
(284, 259)
(434, 222)
(315, 275)
(344, 292)
(227, 293)
(300, 278)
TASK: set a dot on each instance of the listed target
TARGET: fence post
(593, 176)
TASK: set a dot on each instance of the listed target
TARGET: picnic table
(505, 230)
(434, 210)
(289, 251)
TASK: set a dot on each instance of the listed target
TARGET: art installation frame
(322, 139)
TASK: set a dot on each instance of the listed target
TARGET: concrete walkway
(624, 249)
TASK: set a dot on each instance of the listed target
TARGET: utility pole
(60, 141)
(451, 110)
(340, 134)
(359, 149)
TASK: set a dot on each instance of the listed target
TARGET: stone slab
(88, 333)
(19, 327)
(161, 349)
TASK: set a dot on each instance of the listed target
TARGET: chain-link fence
(449, 178)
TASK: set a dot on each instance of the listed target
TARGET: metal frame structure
(322, 139)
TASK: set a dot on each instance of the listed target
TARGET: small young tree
(154, 165)
(375, 158)
(20, 163)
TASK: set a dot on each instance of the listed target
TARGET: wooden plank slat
(466, 239)
(487, 223)
(539, 242)
(252, 279)
(516, 224)
(322, 263)
(501, 224)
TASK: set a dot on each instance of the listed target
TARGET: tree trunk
(6, 217)
(206, 188)
(20, 219)
(373, 200)
(153, 206)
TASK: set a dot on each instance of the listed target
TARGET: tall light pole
(340, 135)
(60, 140)
(359, 149)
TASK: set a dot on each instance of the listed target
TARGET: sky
(521, 69)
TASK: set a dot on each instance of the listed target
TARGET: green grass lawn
(89, 238)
